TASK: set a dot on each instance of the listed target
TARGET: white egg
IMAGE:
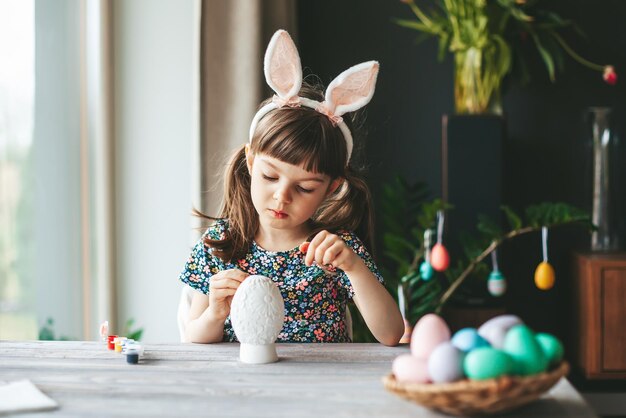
(257, 313)
(496, 328)
(445, 363)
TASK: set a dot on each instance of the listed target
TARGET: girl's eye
(266, 177)
(303, 190)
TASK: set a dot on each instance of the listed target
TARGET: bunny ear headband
(350, 91)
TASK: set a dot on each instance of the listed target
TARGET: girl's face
(284, 195)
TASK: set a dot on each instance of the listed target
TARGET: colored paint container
(132, 356)
(118, 344)
(110, 342)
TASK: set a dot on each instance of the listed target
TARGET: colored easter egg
(487, 363)
(495, 329)
(445, 363)
(430, 331)
(544, 276)
(467, 339)
(527, 354)
(439, 257)
(410, 369)
(551, 346)
(426, 271)
(496, 284)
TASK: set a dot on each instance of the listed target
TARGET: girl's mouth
(278, 214)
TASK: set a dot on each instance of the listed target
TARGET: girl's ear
(334, 185)
(249, 158)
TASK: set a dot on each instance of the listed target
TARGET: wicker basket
(472, 397)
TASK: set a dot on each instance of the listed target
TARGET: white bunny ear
(352, 89)
(283, 71)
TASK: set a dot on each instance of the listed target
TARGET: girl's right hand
(221, 291)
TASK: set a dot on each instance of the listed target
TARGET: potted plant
(481, 33)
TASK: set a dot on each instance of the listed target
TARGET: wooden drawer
(600, 304)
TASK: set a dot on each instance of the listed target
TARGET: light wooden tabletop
(310, 380)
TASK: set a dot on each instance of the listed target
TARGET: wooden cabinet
(599, 336)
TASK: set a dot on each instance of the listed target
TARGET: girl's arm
(378, 308)
(209, 312)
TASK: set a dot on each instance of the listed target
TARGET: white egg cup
(257, 315)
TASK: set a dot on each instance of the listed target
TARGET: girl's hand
(221, 291)
(329, 249)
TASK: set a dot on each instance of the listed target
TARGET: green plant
(128, 332)
(482, 35)
(46, 332)
(404, 244)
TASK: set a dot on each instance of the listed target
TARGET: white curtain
(234, 34)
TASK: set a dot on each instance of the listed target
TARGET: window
(17, 85)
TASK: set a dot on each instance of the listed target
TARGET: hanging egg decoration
(496, 284)
(426, 271)
(544, 273)
(544, 276)
(439, 257)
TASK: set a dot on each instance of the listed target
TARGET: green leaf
(515, 222)
(545, 55)
(413, 24)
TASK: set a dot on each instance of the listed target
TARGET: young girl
(292, 210)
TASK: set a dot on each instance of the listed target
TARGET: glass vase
(476, 82)
(604, 180)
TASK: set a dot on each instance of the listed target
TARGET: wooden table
(310, 380)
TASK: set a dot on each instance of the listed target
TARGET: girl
(292, 210)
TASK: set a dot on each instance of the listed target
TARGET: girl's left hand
(329, 249)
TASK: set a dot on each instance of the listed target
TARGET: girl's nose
(282, 195)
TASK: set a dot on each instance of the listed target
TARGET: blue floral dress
(315, 300)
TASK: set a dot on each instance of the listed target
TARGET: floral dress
(315, 300)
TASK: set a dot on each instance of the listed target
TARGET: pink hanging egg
(439, 257)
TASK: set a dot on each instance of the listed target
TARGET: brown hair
(298, 136)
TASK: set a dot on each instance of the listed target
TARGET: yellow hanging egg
(544, 276)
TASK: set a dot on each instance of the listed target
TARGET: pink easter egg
(410, 369)
(439, 257)
(430, 331)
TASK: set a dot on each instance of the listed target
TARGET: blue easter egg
(467, 339)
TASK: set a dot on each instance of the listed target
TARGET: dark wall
(546, 150)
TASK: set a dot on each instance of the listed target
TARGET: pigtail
(349, 208)
(238, 209)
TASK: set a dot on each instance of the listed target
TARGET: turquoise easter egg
(467, 339)
(487, 363)
(426, 271)
(551, 346)
(527, 354)
(496, 284)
